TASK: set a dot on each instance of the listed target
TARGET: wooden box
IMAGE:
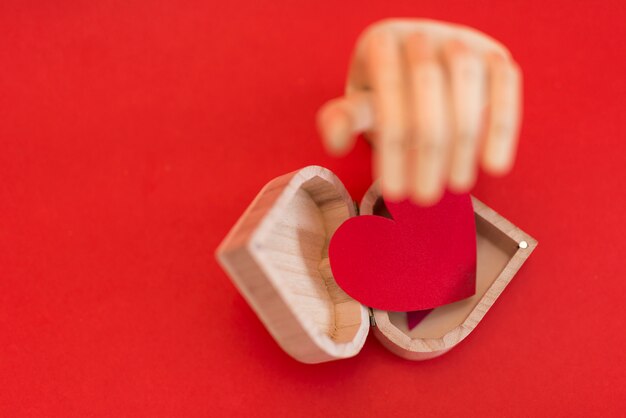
(277, 256)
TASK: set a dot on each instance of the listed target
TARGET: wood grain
(277, 256)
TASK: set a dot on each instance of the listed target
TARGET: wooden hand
(436, 99)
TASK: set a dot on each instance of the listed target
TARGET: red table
(133, 136)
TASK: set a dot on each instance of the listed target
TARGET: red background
(133, 136)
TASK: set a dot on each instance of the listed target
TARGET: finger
(385, 68)
(428, 136)
(467, 84)
(504, 117)
(341, 120)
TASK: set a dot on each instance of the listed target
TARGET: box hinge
(372, 320)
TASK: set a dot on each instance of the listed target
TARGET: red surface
(132, 138)
(422, 258)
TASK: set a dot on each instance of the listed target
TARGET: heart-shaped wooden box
(277, 256)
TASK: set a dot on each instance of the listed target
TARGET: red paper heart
(413, 318)
(422, 258)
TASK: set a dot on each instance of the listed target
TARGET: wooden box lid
(277, 256)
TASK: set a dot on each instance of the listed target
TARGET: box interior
(311, 217)
(494, 250)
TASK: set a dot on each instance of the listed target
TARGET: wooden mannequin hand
(436, 99)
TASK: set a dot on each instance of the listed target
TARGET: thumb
(340, 120)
